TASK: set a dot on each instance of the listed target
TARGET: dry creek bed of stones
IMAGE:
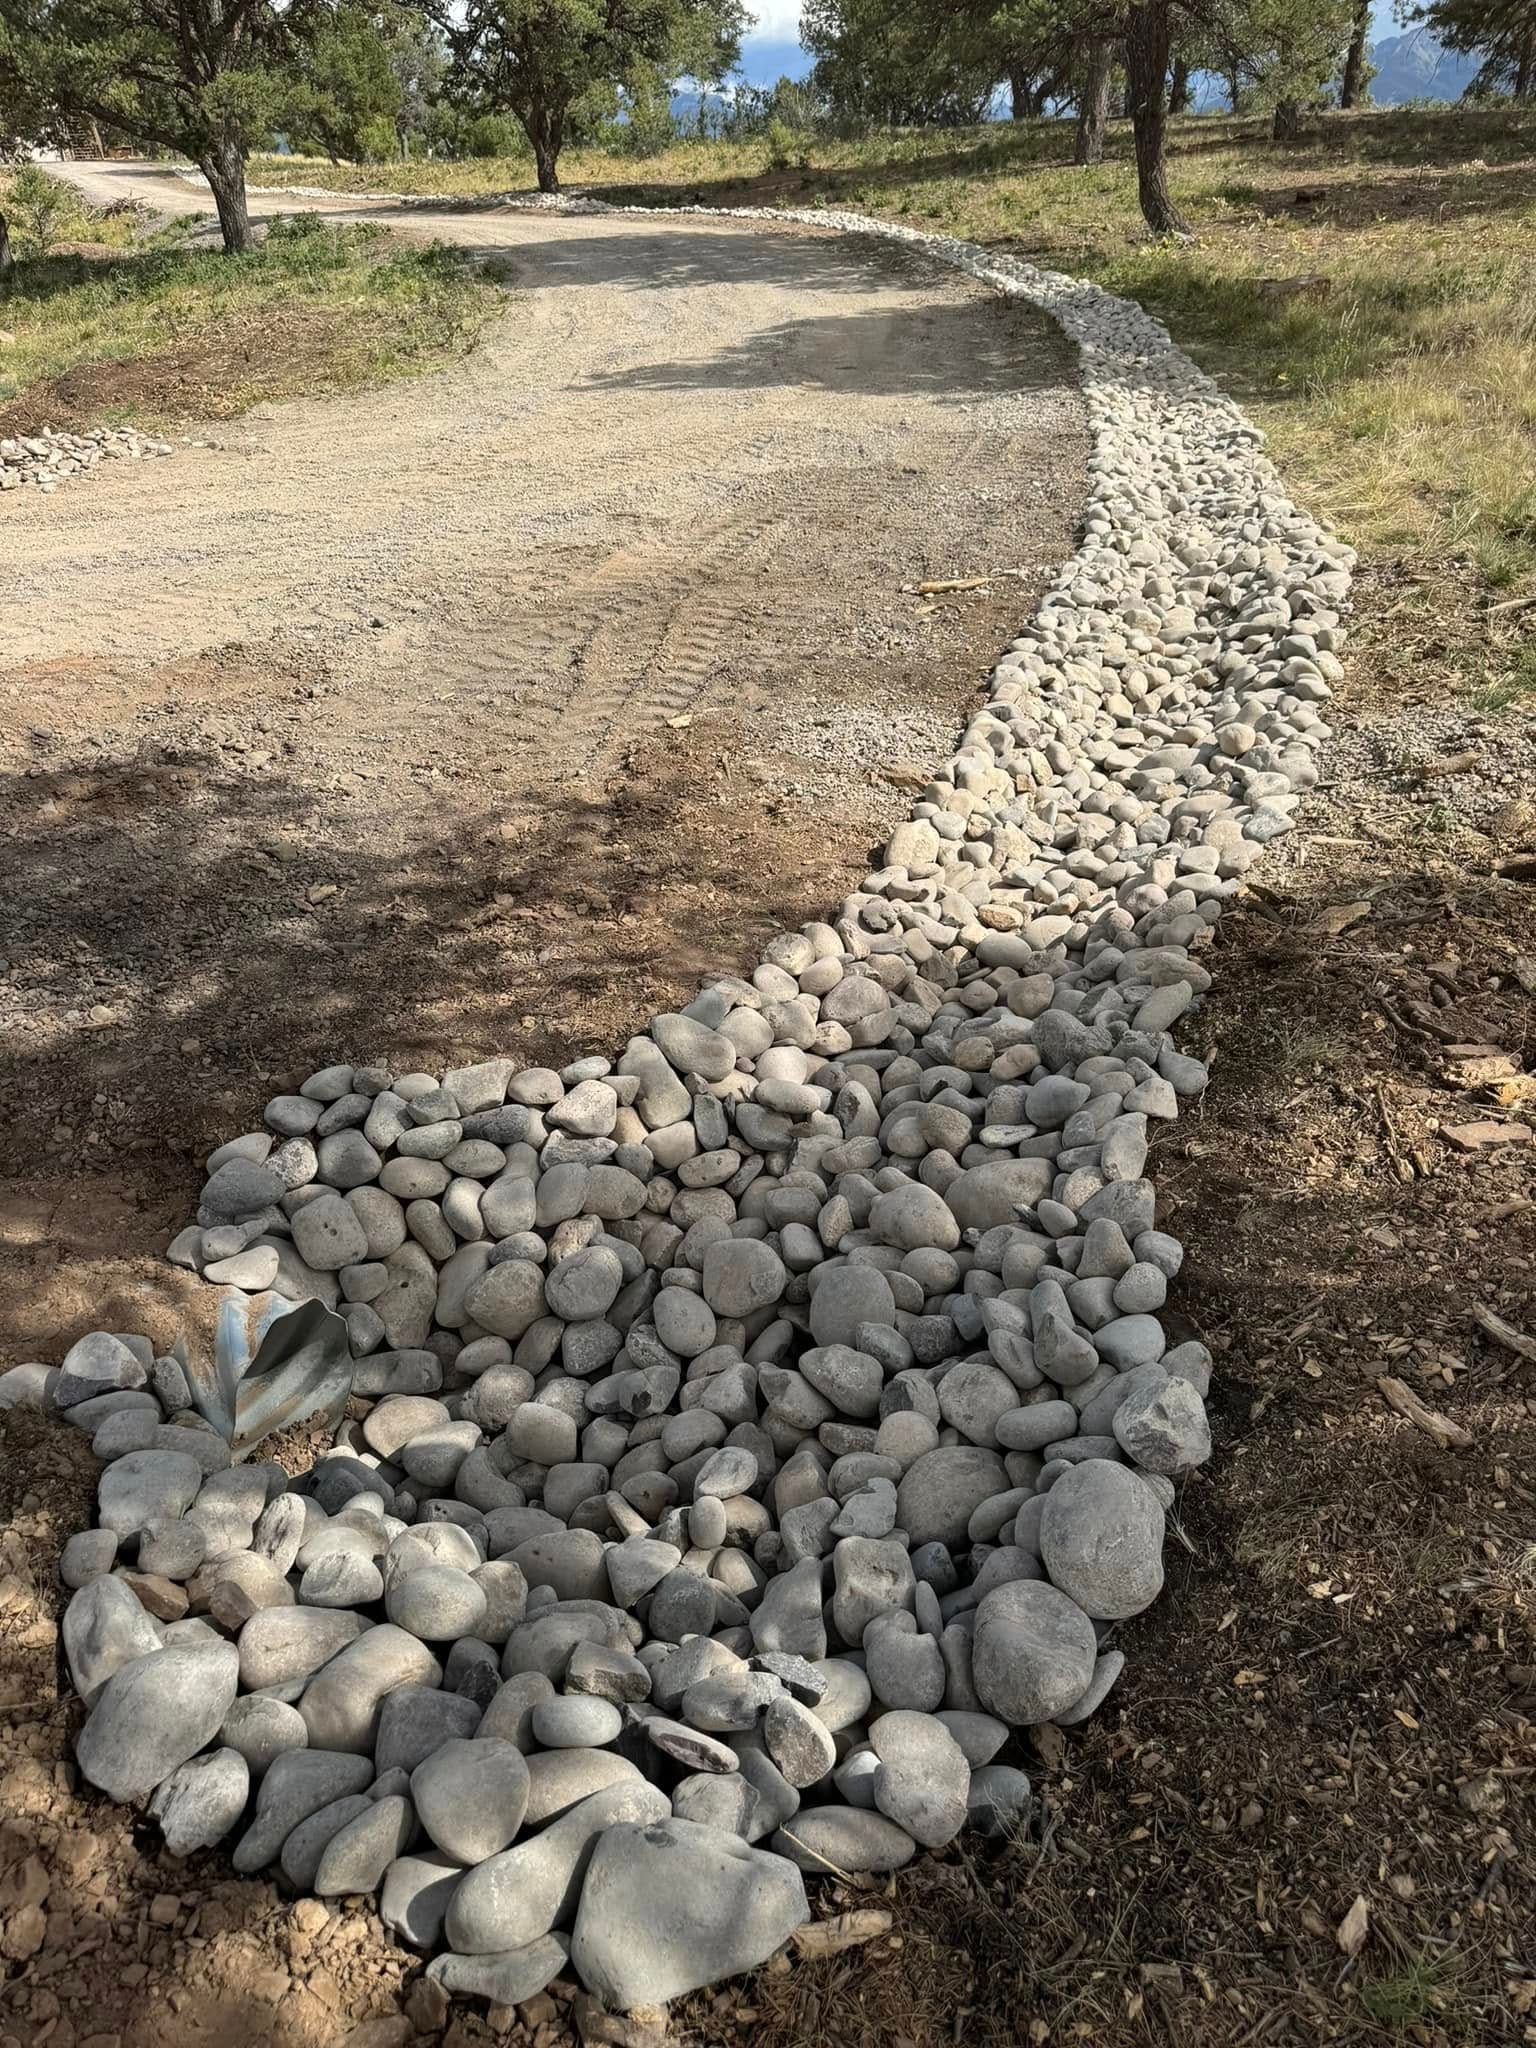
(752, 1431)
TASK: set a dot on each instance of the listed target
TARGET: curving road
(678, 431)
(484, 711)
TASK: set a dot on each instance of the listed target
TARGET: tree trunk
(1178, 87)
(1351, 87)
(224, 168)
(1287, 125)
(1018, 94)
(545, 127)
(7, 260)
(1093, 107)
(1234, 85)
(1146, 70)
(1525, 73)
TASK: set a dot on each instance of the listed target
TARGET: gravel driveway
(475, 713)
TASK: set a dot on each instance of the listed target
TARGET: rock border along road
(824, 1320)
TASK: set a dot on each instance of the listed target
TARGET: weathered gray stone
(1101, 1540)
(513, 1898)
(669, 1906)
(1033, 1652)
(198, 1804)
(155, 1713)
(471, 1797)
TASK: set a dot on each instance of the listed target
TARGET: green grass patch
(157, 330)
(1419, 1991)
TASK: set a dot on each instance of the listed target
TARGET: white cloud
(775, 20)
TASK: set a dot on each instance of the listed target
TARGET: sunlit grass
(315, 308)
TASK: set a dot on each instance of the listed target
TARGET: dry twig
(1399, 1395)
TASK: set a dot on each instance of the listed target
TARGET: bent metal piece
(274, 1362)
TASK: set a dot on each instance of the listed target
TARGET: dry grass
(112, 325)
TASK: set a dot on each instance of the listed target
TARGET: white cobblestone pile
(51, 458)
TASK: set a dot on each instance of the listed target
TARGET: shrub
(39, 205)
(786, 149)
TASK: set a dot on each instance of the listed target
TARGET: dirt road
(482, 711)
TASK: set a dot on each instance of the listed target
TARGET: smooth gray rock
(341, 1703)
(418, 1719)
(471, 1797)
(1105, 1672)
(104, 1628)
(358, 1855)
(282, 1643)
(341, 1579)
(846, 1296)
(1033, 1651)
(577, 1721)
(669, 1906)
(507, 1979)
(437, 1604)
(982, 1197)
(155, 1713)
(999, 1801)
(1101, 1540)
(829, 1840)
(923, 1777)
(261, 1730)
(97, 1364)
(559, 1779)
(741, 1276)
(147, 1486)
(789, 1616)
(88, 1554)
(415, 1895)
(298, 1783)
(871, 1576)
(305, 1848)
(513, 1898)
(941, 1490)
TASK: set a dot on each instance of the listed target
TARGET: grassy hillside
(1400, 399)
(105, 320)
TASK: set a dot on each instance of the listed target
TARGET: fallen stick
(1399, 1395)
(1494, 1326)
(931, 588)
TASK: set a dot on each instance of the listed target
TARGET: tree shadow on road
(952, 354)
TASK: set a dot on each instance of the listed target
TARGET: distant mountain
(1413, 66)
(1410, 66)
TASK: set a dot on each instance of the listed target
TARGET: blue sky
(771, 46)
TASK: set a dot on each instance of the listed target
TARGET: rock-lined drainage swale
(758, 1427)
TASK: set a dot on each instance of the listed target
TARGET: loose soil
(1334, 1699)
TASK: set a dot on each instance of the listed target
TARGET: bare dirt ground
(1334, 1699)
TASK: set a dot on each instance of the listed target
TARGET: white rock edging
(766, 1422)
(52, 458)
